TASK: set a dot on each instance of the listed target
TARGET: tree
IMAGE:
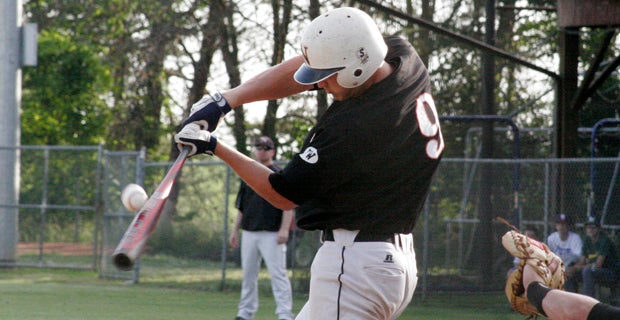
(63, 98)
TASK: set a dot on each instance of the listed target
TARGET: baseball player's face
(263, 154)
(561, 227)
(331, 86)
(592, 231)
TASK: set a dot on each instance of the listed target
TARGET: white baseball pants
(255, 244)
(361, 280)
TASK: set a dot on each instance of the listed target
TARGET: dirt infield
(62, 248)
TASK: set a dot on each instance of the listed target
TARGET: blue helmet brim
(307, 75)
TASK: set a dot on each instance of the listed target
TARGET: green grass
(68, 294)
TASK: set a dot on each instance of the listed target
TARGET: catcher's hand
(539, 257)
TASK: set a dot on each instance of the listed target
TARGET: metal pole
(43, 210)
(425, 258)
(10, 91)
(140, 164)
(225, 240)
(488, 145)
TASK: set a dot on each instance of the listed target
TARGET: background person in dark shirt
(265, 233)
(598, 260)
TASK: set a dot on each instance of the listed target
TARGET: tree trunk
(230, 52)
(321, 98)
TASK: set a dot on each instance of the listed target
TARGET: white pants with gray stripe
(361, 280)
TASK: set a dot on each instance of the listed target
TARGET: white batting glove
(201, 141)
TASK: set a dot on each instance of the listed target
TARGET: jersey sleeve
(317, 169)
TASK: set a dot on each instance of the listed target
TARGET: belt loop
(345, 237)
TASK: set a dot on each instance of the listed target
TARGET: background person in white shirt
(567, 245)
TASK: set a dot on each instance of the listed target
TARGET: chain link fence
(71, 216)
(59, 207)
(524, 192)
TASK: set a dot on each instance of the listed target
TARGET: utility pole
(17, 49)
(10, 91)
(486, 188)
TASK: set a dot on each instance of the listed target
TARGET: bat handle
(185, 151)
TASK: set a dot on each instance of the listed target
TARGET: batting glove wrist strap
(211, 108)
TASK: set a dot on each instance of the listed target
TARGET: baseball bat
(132, 244)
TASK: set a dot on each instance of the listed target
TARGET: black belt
(328, 235)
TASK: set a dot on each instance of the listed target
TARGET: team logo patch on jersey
(310, 155)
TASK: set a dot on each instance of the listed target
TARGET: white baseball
(133, 197)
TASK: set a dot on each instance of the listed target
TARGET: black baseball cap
(562, 218)
(264, 142)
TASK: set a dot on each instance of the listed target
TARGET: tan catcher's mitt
(537, 255)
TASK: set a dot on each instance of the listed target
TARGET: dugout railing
(451, 245)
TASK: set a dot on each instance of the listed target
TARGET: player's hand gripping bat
(132, 244)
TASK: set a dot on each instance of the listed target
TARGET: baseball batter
(364, 170)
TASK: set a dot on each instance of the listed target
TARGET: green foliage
(63, 101)
(58, 178)
(190, 241)
(294, 127)
(196, 227)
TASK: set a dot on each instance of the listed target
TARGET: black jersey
(369, 161)
(258, 214)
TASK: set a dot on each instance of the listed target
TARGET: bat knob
(122, 262)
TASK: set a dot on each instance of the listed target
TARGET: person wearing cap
(364, 171)
(599, 260)
(567, 245)
(265, 232)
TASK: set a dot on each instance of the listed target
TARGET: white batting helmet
(345, 41)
